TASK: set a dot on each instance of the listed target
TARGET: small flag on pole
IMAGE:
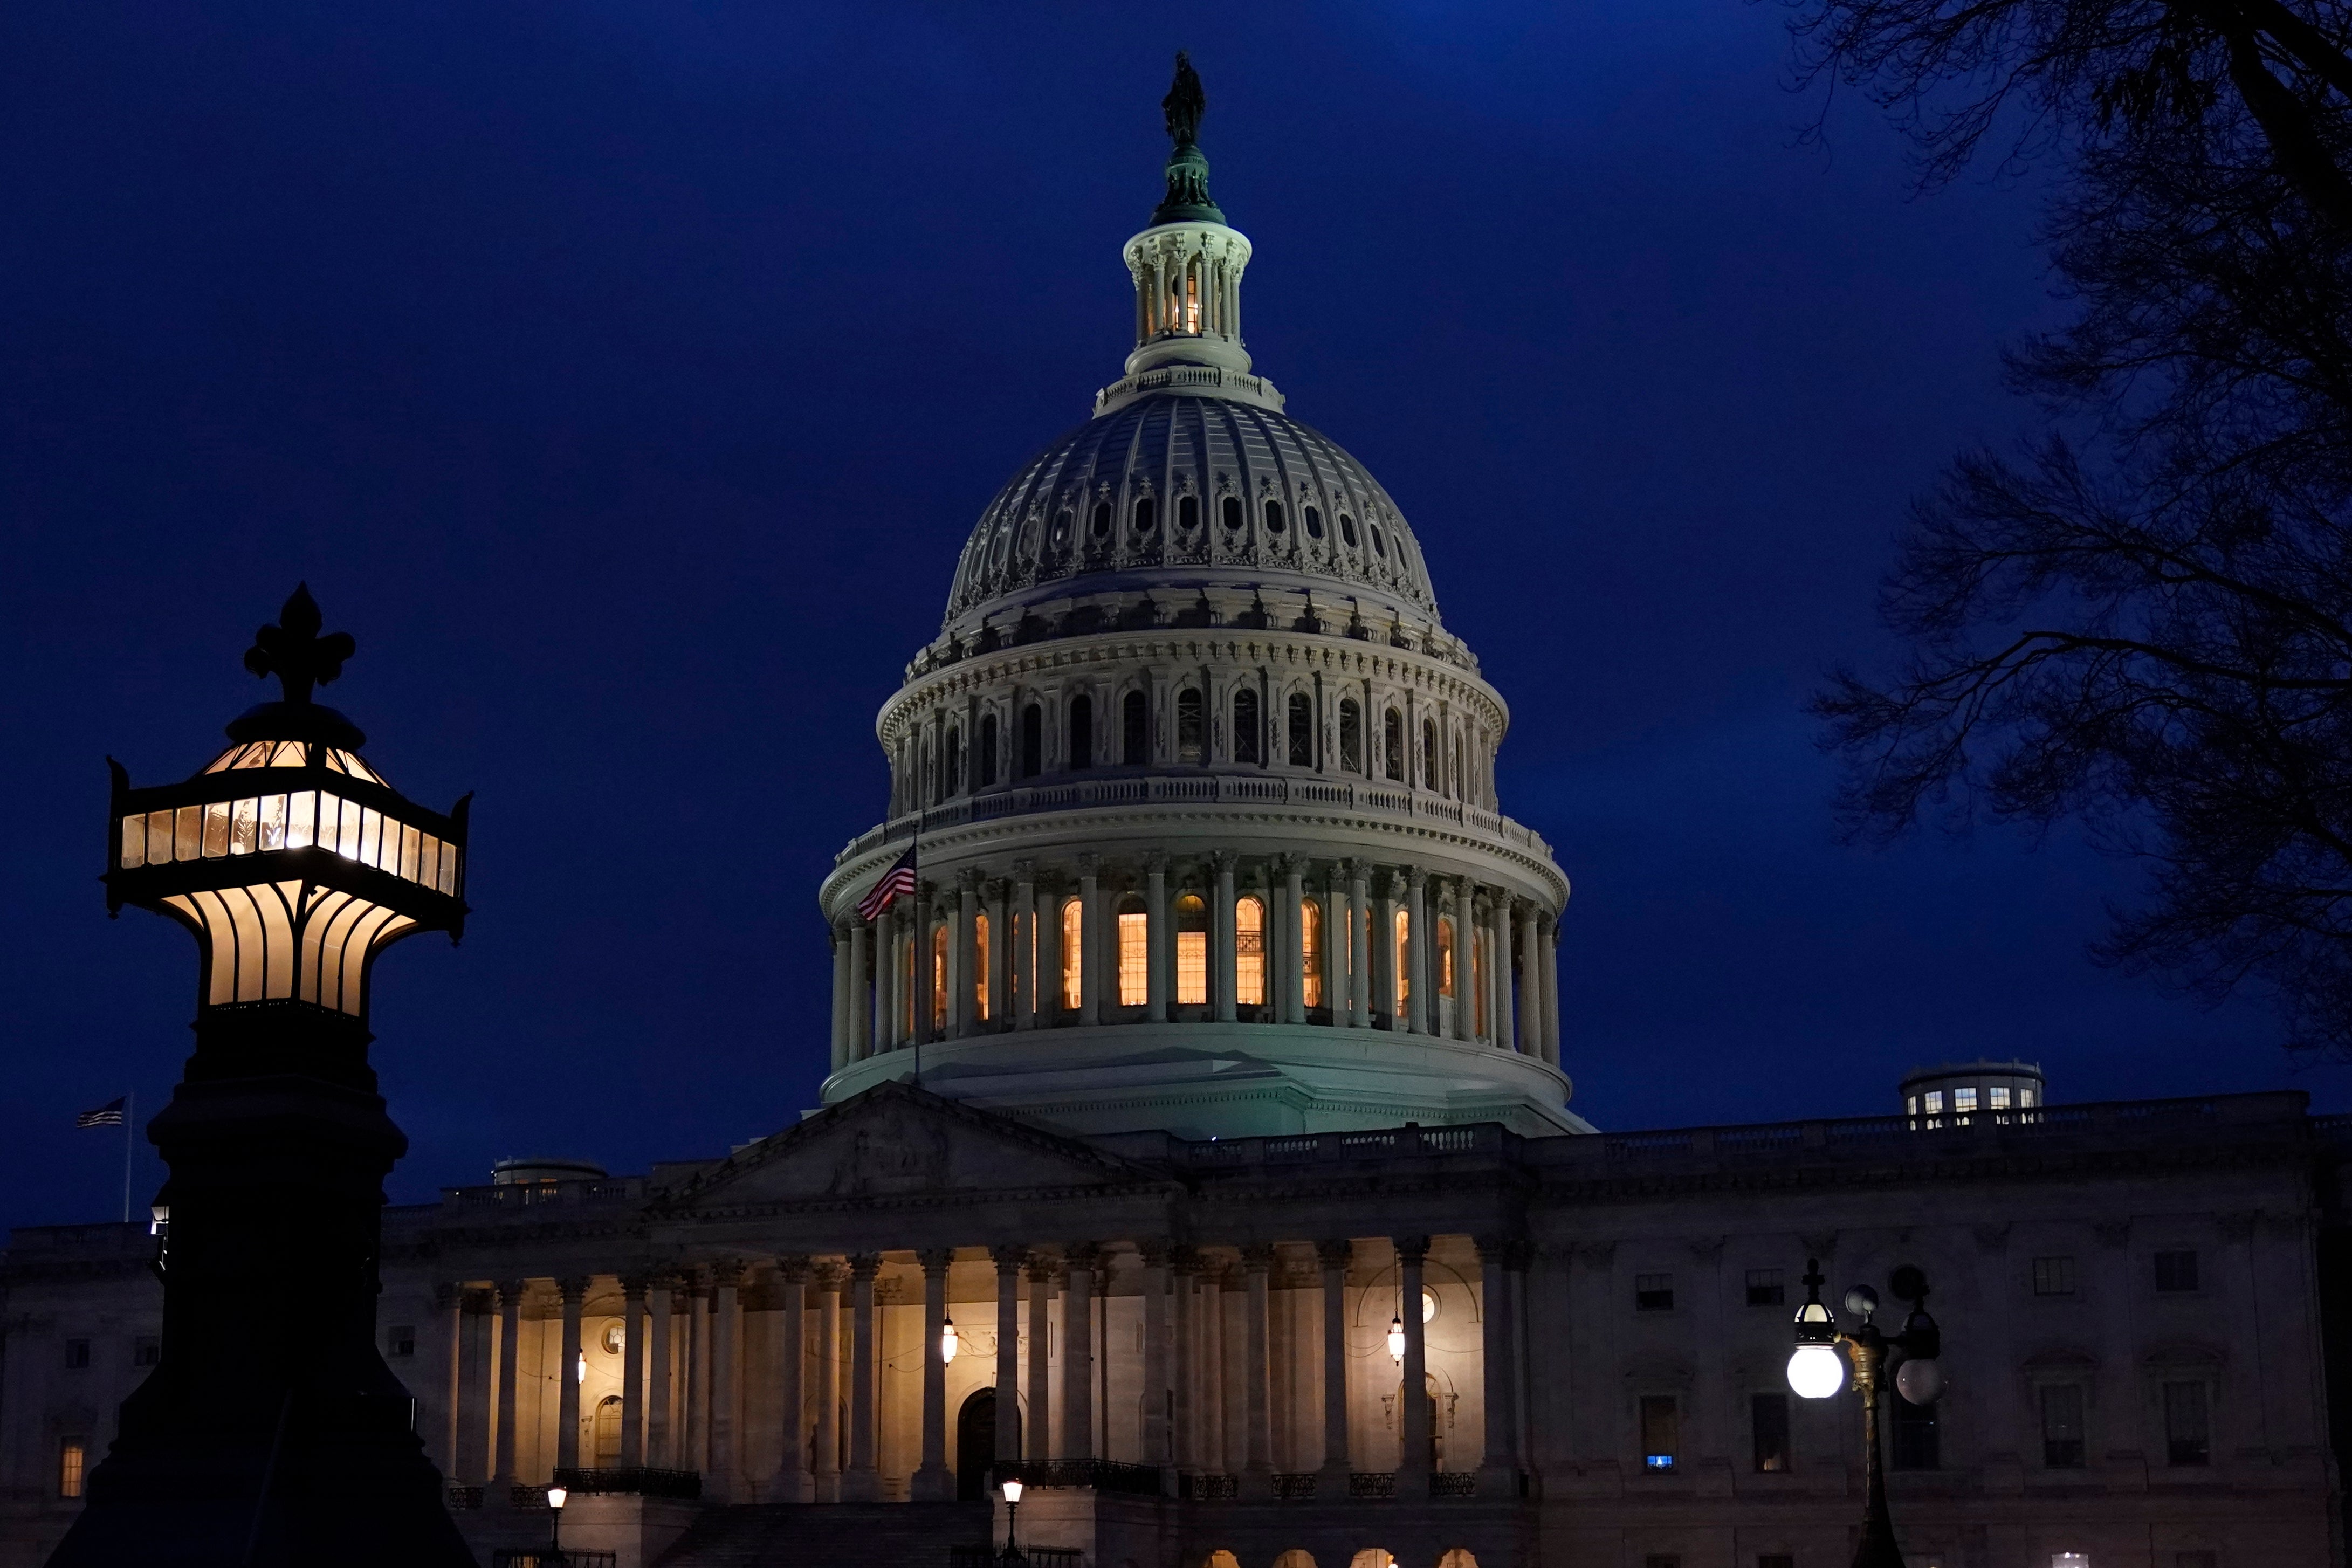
(897, 882)
(106, 1115)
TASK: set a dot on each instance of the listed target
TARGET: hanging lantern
(949, 1344)
(1396, 1339)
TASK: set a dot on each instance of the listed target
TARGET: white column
(1184, 1442)
(1008, 1261)
(1027, 952)
(826, 1360)
(863, 1482)
(1221, 940)
(1550, 975)
(1385, 973)
(1465, 963)
(1417, 950)
(1335, 1257)
(1498, 971)
(999, 956)
(698, 1377)
(888, 1001)
(925, 976)
(860, 1021)
(1160, 945)
(1360, 954)
(933, 1481)
(1294, 969)
(963, 1015)
(572, 1292)
(1091, 968)
(1530, 1032)
(476, 1319)
(1040, 1433)
(1049, 951)
(840, 999)
(633, 1370)
(1077, 1353)
(793, 1482)
(1412, 1418)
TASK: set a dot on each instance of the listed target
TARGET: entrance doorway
(976, 1443)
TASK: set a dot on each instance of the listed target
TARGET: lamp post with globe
(1012, 1488)
(1816, 1371)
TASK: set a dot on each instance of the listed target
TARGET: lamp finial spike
(294, 652)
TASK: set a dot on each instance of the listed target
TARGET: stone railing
(1069, 793)
(537, 1194)
(632, 1480)
(1098, 1475)
(1207, 1485)
(1296, 1148)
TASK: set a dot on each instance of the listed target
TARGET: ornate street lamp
(1816, 1372)
(271, 1420)
(1011, 1487)
(556, 1498)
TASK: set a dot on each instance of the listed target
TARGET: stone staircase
(830, 1535)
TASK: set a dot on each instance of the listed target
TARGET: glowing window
(1964, 1100)
(939, 977)
(980, 998)
(1935, 1102)
(1074, 922)
(1134, 956)
(1192, 950)
(1249, 952)
(1403, 948)
(73, 1455)
(1444, 956)
(1997, 1097)
(1310, 948)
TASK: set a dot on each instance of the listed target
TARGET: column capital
(1257, 1257)
(634, 1285)
(864, 1267)
(1025, 870)
(1495, 1246)
(968, 880)
(1410, 1249)
(1517, 1254)
(1414, 879)
(572, 1289)
(827, 1274)
(1090, 864)
(511, 1292)
(479, 1302)
(997, 889)
(1292, 865)
(1043, 1266)
(1360, 874)
(1224, 860)
(1085, 1255)
(1008, 1259)
(925, 892)
(1336, 1255)
(1184, 1258)
(1155, 862)
(1155, 1252)
(727, 1273)
(935, 1259)
(793, 1267)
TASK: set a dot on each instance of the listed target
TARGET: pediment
(896, 1140)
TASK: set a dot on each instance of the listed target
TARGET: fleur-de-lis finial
(294, 652)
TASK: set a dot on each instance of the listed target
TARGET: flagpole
(129, 1120)
(922, 943)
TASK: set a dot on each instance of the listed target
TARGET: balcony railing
(1098, 1475)
(998, 1557)
(1211, 1486)
(632, 1480)
(547, 1557)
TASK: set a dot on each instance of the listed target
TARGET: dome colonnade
(1201, 785)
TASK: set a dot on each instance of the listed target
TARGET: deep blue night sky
(626, 376)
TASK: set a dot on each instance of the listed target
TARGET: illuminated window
(1403, 945)
(1082, 731)
(1935, 1102)
(2025, 1098)
(608, 1430)
(1135, 729)
(1997, 1097)
(1134, 955)
(73, 1455)
(1192, 950)
(1192, 726)
(1249, 951)
(980, 997)
(1444, 956)
(1193, 296)
(1351, 735)
(1249, 737)
(1302, 731)
(1964, 1100)
(939, 977)
(1073, 921)
(1310, 948)
(1392, 745)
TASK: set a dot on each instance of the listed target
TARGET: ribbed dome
(1191, 488)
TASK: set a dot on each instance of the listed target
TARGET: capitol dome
(1192, 825)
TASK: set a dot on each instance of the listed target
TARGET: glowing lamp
(580, 1368)
(558, 1496)
(1396, 1339)
(1816, 1370)
(949, 1344)
(1011, 1493)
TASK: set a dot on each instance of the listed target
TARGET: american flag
(897, 882)
(106, 1115)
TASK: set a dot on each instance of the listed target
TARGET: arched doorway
(976, 1443)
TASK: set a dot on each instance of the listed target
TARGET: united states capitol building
(1199, 1147)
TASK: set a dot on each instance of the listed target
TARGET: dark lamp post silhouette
(1815, 1372)
(270, 1421)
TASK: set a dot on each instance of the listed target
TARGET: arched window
(1082, 731)
(1429, 779)
(1444, 956)
(1073, 953)
(1373, 1557)
(1302, 731)
(983, 762)
(1229, 512)
(1188, 513)
(1249, 737)
(1134, 953)
(1402, 949)
(1297, 1557)
(939, 977)
(951, 780)
(980, 997)
(1310, 948)
(1192, 950)
(1459, 1557)
(607, 1430)
(1192, 726)
(1351, 735)
(1392, 743)
(1135, 730)
(1249, 951)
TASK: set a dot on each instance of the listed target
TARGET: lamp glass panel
(270, 829)
(302, 812)
(134, 842)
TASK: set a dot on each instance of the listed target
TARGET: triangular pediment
(897, 1140)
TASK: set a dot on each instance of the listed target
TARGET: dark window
(1392, 743)
(1351, 735)
(1143, 515)
(2176, 1272)
(1187, 512)
(1314, 519)
(1274, 523)
(1248, 735)
(77, 1354)
(1061, 530)
(400, 1340)
(2053, 1276)
(1661, 1431)
(1429, 754)
(1765, 1290)
(1033, 740)
(1135, 730)
(2061, 1425)
(1915, 1446)
(1231, 510)
(146, 1350)
(1348, 530)
(1302, 731)
(1653, 1292)
(1380, 544)
(2187, 1424)
(952, 774)
(1082, 731)
(1768, 1415)
(1192, 726)
(1100, 527)
(983, 762)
